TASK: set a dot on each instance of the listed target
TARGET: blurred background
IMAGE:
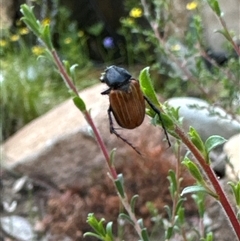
(97, 33)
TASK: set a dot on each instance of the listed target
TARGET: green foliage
(236, 191)
(175, 222)
(101, 232)
(27, 89)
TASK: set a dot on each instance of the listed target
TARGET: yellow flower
(14, 37)
(23, 31)
(192, 5)
(3, 43)
(175, 47)
(46, 21)
(67, 40)
(38, 50)
(80, 33)
(136, 13)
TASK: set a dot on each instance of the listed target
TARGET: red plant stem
(213, 179)
(101, 144)
(63, 72)
(229, 37)
(85, 113)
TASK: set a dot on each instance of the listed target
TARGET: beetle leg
(113, 131)
(160, 118)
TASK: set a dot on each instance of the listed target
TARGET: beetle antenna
(160, 118)
(113, 131)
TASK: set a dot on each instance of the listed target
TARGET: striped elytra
(128, 106)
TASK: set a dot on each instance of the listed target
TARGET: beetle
(127, 101)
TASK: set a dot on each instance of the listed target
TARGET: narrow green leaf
(224, 33)
(112, 156)
(181, 215)
(73, 72)
(179, 204)
(194, 170)
(216, 8)
(214, 141)
(46, 37)
(193, 189)
(119, 185)
(126, 218)
(196, 140)
(133, 202)
(93, 235)
(79, 103)
(199, 198)
(236, 191)
(173, 182)
(30, 19)
(169, 233)
(140, 222)
(109, 230)
(144, 234)
(169, 211)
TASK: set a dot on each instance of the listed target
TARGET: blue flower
(108, 43)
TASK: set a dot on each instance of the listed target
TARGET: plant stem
(182, 67)
(113, 172)
(213, 179)
(101, 145)
(229, 37)
(63, 72)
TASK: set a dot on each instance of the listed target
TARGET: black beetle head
(115, 77)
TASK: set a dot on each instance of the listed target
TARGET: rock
(232, 150)
(202, 118)
(59, 147)
(17, 227)
(207, 124)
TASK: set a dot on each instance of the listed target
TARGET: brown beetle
(127, 102)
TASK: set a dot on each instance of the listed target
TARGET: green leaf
(173, 182)
(46, 37)
(215, 7)
(73, 72)
(179, 204)
(199, 199)
(96, 225)
(112, 155)
(147, 86)
(144, 234)
(133, 202)
(169, 211)
(140, 222)
(30, 19)
(109, 230)
(79, 103)
(224, 33)
(126, 218)
(193, 189)
(196, 140)
(119, 185)
(236, 191)
(194, 170)
(214, 141)
(169, 233)
(93, 235)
